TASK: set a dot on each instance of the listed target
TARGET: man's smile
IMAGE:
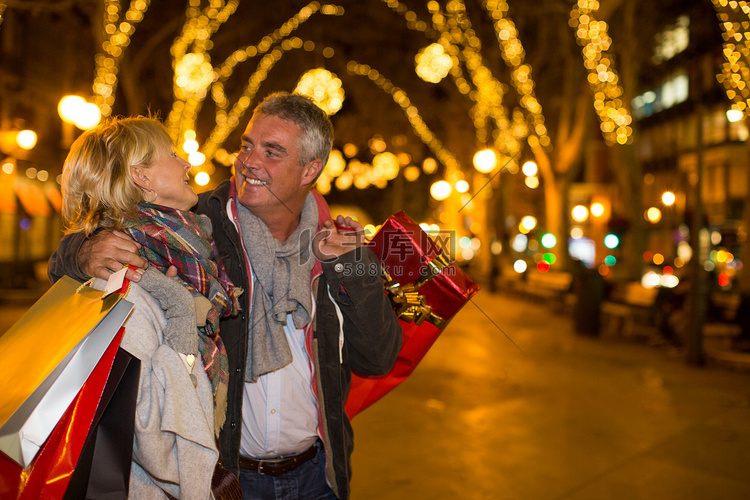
(255, 182)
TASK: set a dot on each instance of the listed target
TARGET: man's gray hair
(317, 130)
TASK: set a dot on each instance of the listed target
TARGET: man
(308, 320)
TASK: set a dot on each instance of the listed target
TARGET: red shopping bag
(49, 473)
(57, 361)
(426, 289)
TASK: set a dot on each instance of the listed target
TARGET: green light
(549, 258)
(610, 260)
(611, 241)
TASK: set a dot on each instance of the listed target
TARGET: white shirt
(279, 411)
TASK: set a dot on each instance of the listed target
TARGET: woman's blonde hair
(97, 188)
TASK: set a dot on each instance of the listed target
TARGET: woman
(125, 175)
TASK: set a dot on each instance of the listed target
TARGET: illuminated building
(682, 126)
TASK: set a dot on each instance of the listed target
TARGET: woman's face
(168, 177)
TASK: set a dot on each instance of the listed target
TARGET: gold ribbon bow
(411, 305)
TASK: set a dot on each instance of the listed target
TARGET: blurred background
(592, 155)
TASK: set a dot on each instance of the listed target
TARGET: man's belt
(277, 467)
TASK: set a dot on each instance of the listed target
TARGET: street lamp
(74, 109)
(668, 198)
(597, 209)
(17, 142)
(653, 215)
(26, 139)
(580, 213)
(527, 224)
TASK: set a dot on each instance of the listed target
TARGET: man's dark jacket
(372, 335)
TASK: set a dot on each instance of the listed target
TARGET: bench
(508, 280)
(628, 305)
(554, 286)
(720, 330)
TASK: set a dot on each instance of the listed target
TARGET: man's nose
(247, 160)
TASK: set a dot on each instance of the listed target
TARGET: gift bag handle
(124, 289)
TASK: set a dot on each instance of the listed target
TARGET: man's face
(267, 175)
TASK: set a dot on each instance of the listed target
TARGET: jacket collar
(324, 213)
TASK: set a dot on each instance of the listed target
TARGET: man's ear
(311, 171)
(138, 175)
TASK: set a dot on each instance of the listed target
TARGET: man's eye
(246, 147)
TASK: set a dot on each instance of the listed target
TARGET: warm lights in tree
(411, 111)
(440, 190)
(433, 63)
(324, 88)
(513, 54)
(457, 40)
(117, 32)
(270, 50)
(608, 94)
(491, 121)
(734, 17)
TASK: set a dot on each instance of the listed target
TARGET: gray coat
(174, 447)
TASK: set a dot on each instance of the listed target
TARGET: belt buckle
(262, 464)
(271, 467)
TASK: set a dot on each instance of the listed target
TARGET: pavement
(561, 416)
(548, 415)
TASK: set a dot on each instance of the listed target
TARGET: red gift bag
(426, 289)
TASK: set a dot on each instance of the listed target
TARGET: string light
(324, 88)
(270, 50)
(433, 63)
(489, 114)
(457, 41)
(412, 113)
(734, 17)
(603, 79)
(191, 63)
(513, 53)
(117, 33)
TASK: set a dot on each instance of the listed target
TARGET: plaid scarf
(171, 237)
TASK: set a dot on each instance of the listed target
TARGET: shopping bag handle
(117, 279)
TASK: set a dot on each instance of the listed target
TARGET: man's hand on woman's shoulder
(108, 251)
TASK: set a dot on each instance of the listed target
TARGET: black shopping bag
(103, 468)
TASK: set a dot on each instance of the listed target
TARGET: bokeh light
(580, 213)
(440, 190)
(485, 161)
